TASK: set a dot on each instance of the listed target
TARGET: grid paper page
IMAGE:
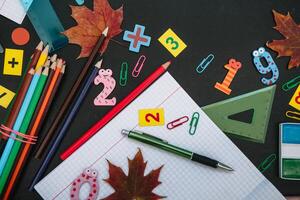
(13, 10)
(181, 178)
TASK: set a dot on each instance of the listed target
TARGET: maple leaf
(135, 186)
(290, 46)
(91, 23)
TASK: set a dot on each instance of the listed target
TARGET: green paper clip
(123, 74)
(46, 23)
(204, 63)
(291, 84)
(194, 123)
(267, 163)
(293, 115)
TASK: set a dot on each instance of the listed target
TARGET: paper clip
(267, 163)
(139, 65)
(204, 63)
(293, 115)
(177, 122)
(194, 123)
(291, 84)
(123, 74)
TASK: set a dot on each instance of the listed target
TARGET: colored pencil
(70, 97)
(43, 58)
(62, 131)
(19, 119)
(115, 110)
(23, 129)
(53, 58)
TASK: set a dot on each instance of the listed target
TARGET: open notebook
(181, 178)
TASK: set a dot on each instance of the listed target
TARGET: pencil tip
(40, 46)
(63, 68)
(167, 64)
(47, 63)
(46, 71)
(46, 50)
(53, 65)
(39, 71)
(99, 64)
(59, 63)
(105, 32)
(53, 58)
(31, 71)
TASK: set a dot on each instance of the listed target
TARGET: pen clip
(155, 138)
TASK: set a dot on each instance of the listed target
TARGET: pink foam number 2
(105, 77)
(87, 176)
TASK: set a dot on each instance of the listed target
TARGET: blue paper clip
(204, 63)
(194, 123)
(80, 2)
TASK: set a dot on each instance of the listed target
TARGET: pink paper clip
(139, 65)
(177, 122)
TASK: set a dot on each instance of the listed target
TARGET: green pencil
(23, 129)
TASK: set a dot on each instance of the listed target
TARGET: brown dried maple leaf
(135, 186)
(91, 23)
(290, 46)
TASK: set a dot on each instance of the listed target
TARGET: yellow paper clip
(139, 65)
(293, 115)
(123, 74)
(204, 63)
(194, 123)
(291, 84)
(267, 163)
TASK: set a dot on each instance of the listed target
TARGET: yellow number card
(6, 96)
(295, 101)
(151, 117)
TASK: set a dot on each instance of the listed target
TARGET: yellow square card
(13, 62)
(6, 96)
(295, 101)
(151, 117)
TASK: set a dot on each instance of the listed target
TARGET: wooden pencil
(71, 96)
(43, 58)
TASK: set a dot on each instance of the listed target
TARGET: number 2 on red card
(150, 116)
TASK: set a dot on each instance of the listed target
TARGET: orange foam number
(233, 66)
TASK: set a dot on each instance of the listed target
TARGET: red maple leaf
(135, 186)
(290, 46)
(91, 23)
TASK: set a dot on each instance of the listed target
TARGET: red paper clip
(177, 122)
(139, 65)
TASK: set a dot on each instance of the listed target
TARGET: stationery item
(33, 131)
(138, 66)
(13, 62)
(267, 163)
(53, 58)
(194, 123)
(26, 111)
(177, 122)
(137, 38)
(48, 27)
(105, 77)
(115, 110)
(204, 63)
(20, 36)
(295, 100)
(123, 74)
(13, 10)
(164, 145)
(63, 130)
(291, 83)
(71, 96)
(172, 42)
(6, 96)
(152, 117)
(1, 48)
(43, 58)
(259, 102)
(181, 179)
(293, 115)
(233, 66)
(289, 151)
(80, 2)
(260, 54)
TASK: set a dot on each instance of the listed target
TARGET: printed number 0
(149, 116)
(171, 41)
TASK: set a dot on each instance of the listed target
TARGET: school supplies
(204, 63)
(43, 58)
(138, 66)
(115, 110)
(233, 66)
(13, 62)
(177, 122)
(137, 38)
(293, 115)
(151, 117)
(123, 74)
(267, 163)
(194, 123)
(13, 10)
(289, 151)
(71, 96)
(1, 48)
(259, 101)
(6, 96)
(291, 83)
(295, 100)
(180, 178)
(48, 27)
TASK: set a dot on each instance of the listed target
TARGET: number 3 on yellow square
(295, 101)
(172, 42)
(151, 117)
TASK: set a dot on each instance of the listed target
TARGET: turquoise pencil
(19, 120)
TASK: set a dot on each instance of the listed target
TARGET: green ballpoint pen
(162, 144)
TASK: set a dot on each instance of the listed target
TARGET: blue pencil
(62, 131)
(19, 120)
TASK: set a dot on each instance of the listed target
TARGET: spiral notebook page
(13, 10)
(181, 178)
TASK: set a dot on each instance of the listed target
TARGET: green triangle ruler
(260, 101)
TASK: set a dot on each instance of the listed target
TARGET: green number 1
(171, 41)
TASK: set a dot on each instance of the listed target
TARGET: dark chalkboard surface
(227, 29)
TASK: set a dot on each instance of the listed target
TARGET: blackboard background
(228, 29)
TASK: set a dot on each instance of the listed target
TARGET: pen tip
(125, 132)
(223, 166)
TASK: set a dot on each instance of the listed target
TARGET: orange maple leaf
(290, 46)
(135, 185)
(91, 23)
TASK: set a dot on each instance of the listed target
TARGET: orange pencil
(33, 131)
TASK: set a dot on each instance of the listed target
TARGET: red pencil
(115, 110)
